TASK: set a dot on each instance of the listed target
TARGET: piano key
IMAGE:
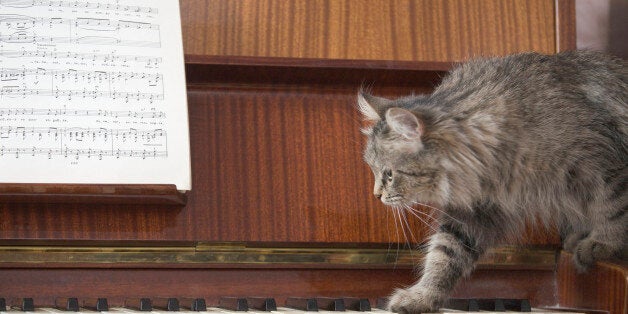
(303, 304)
(233, 304)
(262, 304)
(67, 304)
(493, 305)
(357, 304)
(129, 310)
(330, 304)
(55, 310)
(196, 304)
(141, 304)
(468, 305)
(96, 304)
(166, 304)
(3, 304)
(517, 305)
(23, 304)
(382, 303)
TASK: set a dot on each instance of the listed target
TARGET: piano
(280, 205)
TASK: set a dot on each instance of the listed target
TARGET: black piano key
(493, 305)
(67, 304)
(517, 305)
(468, 305)
(262, 304)
(499, 305)
(357, 304)
(27, 304)
(3, 304)
(173, 304)
(330, 304)
(142, 304)
(196, 305)
(303, 304)
(233, 304)
(167, 304)
(382, 304)
(100, 304)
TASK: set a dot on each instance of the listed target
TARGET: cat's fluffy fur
(501, 142)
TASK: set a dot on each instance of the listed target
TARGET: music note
(76, 142)
(76, 4)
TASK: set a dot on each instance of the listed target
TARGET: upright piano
(280, 206)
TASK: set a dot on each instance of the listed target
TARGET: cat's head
(404, 161)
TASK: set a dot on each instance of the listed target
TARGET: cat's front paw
(588, 251)
(572, 240)
(412, 301)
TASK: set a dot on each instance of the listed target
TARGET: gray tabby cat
(501, 142)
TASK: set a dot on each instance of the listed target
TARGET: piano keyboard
(231, 305)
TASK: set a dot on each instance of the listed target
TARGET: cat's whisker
(427, 215)
(438, 210)
(412, 239)
(403, 227)
(395, 214)
(415, 213)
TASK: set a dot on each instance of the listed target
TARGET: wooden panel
(118, 284)
(566, 25)
(420, 30)
(92, 193)
(603, 287)
(283, 166)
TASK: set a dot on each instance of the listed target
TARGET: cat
(499, 143)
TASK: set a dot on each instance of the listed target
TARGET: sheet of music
(93, 92)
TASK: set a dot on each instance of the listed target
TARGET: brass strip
(240, 255)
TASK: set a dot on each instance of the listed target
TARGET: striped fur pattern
(502, 142)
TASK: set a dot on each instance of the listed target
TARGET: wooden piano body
(281, 203)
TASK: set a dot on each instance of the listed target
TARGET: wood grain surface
(419, 30)
(119, 284)
(603, 287)
(565, 25)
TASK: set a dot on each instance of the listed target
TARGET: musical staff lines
(110, 58)
(76, 142)
(78, 5)
(82, 113)
(24, 22)
(68, 84)
(15, 28)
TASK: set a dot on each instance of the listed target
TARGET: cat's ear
(405, 123)
(372, 107)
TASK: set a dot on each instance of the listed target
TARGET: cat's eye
(388, 175)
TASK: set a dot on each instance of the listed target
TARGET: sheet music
(93, 92)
